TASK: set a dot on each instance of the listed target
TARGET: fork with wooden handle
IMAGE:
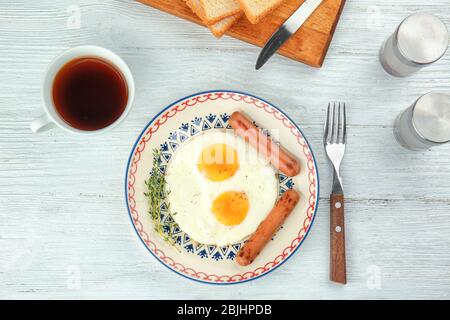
(335, 139)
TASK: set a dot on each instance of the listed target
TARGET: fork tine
(327, 125)
(344, 125)
(336, 123)
(339, 134)
(333, 124)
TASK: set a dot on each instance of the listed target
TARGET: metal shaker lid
(431, 117)
(422, 38)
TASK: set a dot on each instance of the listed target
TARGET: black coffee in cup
(89, 93)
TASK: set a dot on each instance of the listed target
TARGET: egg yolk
(218, 162)
(230, 208)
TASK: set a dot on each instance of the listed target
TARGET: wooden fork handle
(338, 272)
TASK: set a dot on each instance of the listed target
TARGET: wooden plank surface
(309, 45)
(64, 229)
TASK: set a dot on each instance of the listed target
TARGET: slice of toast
(218, 28)
(216, 10)
(255, 10)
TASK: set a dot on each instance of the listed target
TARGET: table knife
(292, 24)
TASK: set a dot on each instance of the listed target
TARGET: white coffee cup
(51, 116)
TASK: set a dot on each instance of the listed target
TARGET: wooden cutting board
(309, 45)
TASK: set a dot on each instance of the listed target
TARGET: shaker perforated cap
(422, 38)
(431, 117)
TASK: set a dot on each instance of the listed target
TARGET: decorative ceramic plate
(173, 127)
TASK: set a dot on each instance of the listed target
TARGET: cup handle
(41, 124)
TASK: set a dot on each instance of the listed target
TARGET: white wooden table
(64, 228)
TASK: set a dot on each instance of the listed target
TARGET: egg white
(191, 194)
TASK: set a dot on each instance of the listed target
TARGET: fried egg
(221, 189)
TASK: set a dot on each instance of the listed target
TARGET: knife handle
(338, 272)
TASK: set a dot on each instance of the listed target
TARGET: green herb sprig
(156, 195)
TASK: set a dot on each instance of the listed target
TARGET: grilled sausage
(268, 227)
(279, 157)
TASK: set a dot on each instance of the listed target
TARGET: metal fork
(335, 139)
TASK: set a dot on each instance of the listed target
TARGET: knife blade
(290, 26)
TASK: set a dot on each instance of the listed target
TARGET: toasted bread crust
(198, 10)
(210, 18)
(255, 18)
(219, 28)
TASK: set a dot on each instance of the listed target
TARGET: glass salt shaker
(420, 40)
(426, 123)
